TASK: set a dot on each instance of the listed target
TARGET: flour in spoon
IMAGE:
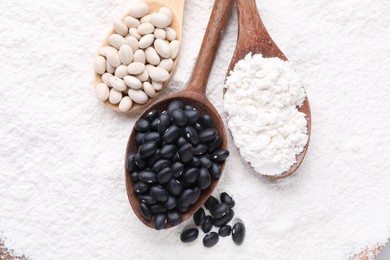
(261, 100)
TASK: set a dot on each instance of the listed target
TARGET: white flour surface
(62, 188)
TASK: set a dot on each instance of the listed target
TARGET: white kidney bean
(145, 28)
(160, 33)
(149, 89)
(126, 54)
(148, 67)
(146, 41)
(103, 50)
(102, 91)
(171, 34)
(131, 22)
(135, 68)
(152, 56)
(110, 68)
(157, 85)
(139, 56)
(145, 19)
(117, 83)
(175, 48)
(162, 48)
(139, 9)
(138, 96)
(121, 71)
(166, 11)
(116, 40)
(132, 42)
(134, 32)
(160, 20)
(115, 96)
(159, 74)
(166, 64)
(106, 77)
(113, 58)
(144, 76)
(132, 82)
(99, 65)
(125, 104)
(120, 27)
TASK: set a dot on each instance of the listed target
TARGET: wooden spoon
(177, 8)
(254, 38)
(194, 95)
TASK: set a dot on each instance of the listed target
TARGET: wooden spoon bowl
(177, 8)
(194, 95)
(254, 38)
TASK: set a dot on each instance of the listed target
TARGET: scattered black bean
(225, 198)
(199, 217)
(238, 233)
(210, 203)
(142, 125)
(189, 235)
(159, 193)
(210, 239)
(145, 211)
(225, 231)
(204, 179)
(208, 224)
(159, 221)
(220, 210)
(174, 217)
(219, 222)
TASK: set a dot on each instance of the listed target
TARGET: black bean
(178, 116)
(174, 217)
(189, 235)
(147, 199)
(215, 144)
(140, 187)
(191, 135)
(159, 221)
(163, 124)
(141, 164)
(188, 107)
(215, 171)
(148, 176)
(175, 105)
(238, 233)
(155, 124)
(207, 135)
(147, 150)
(145, 211)
(225, 231)
(195, 162)
(205, 162)
(204, 179)
(175, 158)
(131, 164)
(134, 176)
(211, 239)
(159, 193)
(171, 202)
(211, 202)
(200, 149)
(172, 134)
(151, 136)
(206, 121)
(168, 151)
(198, 127)
(181, 142)
(219, 222)
(177, 169)
(225, 198)
(139, 137)
(151, 115)
(174, 187)
(195, 195)
(186, 152)
(154, 158)
(220, 155)
(182, 209)
(164, 176)
(142, 125)
(208, 224)
(220, 210)
(161, 164)
(192, 116)
(158, 208)
(199, 217)
(185, 198)
(190, 175)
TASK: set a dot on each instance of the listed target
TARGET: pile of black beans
(178, 155)
(221, 214)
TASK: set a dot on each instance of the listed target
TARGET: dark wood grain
(254, 38)
(195, 96)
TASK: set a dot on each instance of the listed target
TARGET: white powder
(62, 187)
(261, 101)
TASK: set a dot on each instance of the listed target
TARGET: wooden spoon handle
(252, 33)
(211, 39)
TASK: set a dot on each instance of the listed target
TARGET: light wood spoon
(194, 95)
(177, 8)
(254, 38)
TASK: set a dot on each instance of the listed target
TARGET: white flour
(261, 101)
(62, 188)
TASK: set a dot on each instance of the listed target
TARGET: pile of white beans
(139, 57)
